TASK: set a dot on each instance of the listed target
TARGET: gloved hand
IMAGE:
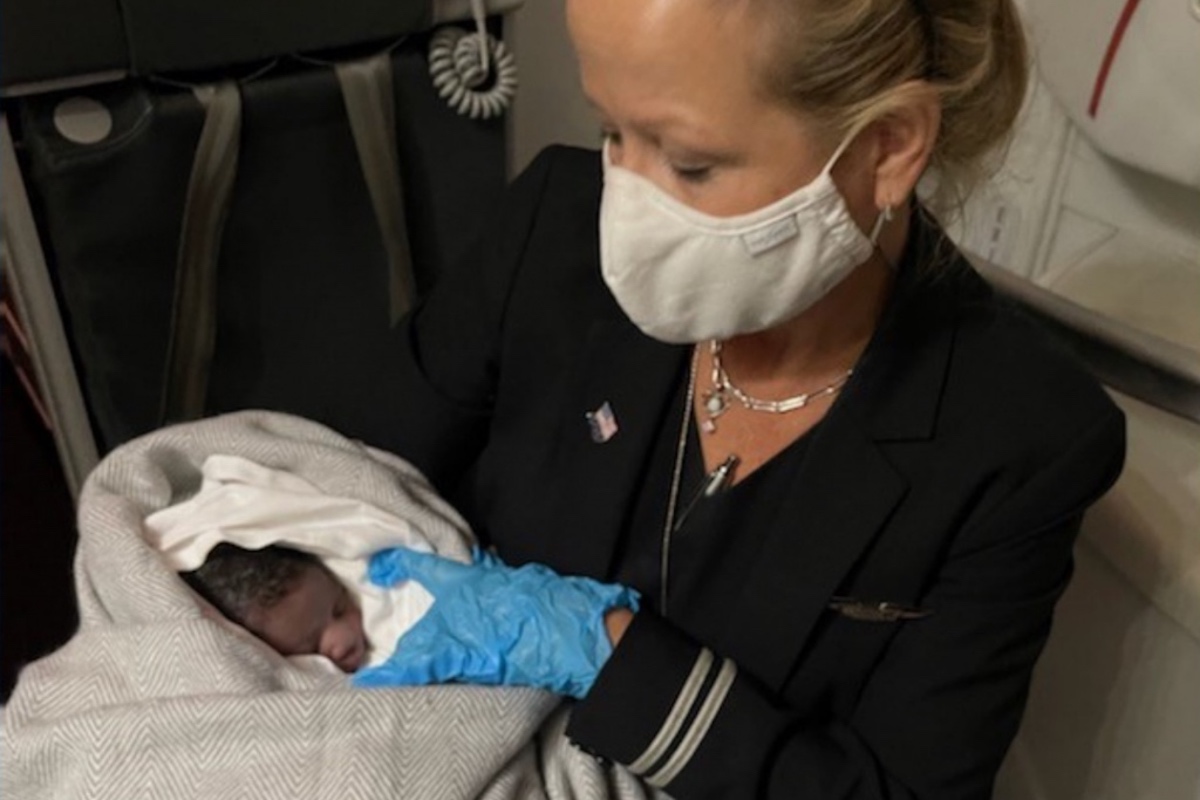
(497, 625)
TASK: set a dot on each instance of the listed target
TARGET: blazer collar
(897, 386)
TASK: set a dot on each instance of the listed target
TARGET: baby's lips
(355, 660)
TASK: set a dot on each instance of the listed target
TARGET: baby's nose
(343, 644)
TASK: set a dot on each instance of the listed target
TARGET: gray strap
(194, 318)
(371, 108)
(25, 264)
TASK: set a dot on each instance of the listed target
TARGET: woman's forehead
(665, 60)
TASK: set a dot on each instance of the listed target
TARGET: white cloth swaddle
(253, 506)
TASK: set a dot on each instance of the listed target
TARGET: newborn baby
(287, 598)
(283, 558)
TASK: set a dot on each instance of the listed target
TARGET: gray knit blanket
(154, 699)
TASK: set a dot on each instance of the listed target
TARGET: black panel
(45, 39)
(168, 35)
(37, 523)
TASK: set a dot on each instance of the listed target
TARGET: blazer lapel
(634, 376)
(846, 492)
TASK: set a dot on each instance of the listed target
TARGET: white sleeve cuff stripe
(699, 729)
(677, 715)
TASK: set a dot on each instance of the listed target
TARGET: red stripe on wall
(1111, 55)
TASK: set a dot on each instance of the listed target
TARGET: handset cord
(461, 62)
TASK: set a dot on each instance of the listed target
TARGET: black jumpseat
(302, 283)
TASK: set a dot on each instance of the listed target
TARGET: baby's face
(316, 616)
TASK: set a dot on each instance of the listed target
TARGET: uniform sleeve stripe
(677, 715)
(699, 729)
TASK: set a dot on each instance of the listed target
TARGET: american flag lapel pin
(603, 423)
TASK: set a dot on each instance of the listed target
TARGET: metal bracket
(1162, 373)
(457, 10)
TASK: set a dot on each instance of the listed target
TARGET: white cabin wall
(550, 107)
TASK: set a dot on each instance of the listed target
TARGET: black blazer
(950, 476)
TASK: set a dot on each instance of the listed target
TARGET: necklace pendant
(715, 404)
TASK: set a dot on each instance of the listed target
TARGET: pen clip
(714, 482)
(720, 476)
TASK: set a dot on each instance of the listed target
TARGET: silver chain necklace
(717, 399)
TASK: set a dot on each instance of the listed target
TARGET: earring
(885, 216)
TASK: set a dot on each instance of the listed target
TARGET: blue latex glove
(497, 625)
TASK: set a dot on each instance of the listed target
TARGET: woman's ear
(905, 135)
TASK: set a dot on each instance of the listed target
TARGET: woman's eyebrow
(646, 127)
(653, 129)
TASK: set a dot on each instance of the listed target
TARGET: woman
(734, 365)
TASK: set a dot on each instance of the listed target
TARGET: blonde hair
(848, 63)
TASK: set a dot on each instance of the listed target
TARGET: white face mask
(683, 276)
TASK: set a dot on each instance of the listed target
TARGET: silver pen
(716, 480)
(720, 476)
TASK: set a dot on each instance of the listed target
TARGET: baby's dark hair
(237, 580)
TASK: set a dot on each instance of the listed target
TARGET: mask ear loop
(885, 216)
(837, 154)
